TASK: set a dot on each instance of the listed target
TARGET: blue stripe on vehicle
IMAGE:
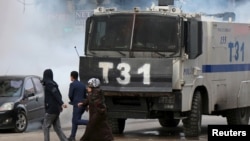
(225, 68)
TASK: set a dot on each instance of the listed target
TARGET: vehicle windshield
(10, 87)
(146, 33)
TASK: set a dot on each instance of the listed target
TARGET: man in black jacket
(53, 106)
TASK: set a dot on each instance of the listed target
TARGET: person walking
(53, 106)
(98, 128)
(77, 93)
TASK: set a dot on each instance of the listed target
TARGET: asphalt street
(135, 130)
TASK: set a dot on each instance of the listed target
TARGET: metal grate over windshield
(145, 33)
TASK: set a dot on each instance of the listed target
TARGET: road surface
(135, 130)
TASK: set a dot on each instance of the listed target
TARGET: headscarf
(94, 83)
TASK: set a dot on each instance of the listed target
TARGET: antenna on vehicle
(7, 71)
(77, 52)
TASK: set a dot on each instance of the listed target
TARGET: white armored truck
(162, 63)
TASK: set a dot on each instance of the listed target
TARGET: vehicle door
(39, 94)
(30, 99)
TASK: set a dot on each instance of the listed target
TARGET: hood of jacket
(47, 75)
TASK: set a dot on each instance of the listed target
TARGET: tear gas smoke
(30, 43)
(239, 7)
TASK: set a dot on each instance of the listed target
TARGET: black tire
(21, 122)
(192, 124)
(239, 116)
(169, 122)
(117, 125)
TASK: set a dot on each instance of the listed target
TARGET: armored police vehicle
(162, 63)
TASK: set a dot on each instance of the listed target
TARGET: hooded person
(97, 128)
(53, 106)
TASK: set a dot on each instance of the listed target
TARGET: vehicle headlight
(7, 106)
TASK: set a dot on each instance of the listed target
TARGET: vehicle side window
(29, 87)
(194, 39)
(38, 85)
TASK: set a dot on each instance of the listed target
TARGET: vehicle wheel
(192, 124)
(117, 125)
(169, 122)
(238, 116)
(21, 122)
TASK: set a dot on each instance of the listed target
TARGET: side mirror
(28, 94)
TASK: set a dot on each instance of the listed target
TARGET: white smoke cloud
(240, 8)
(242, 14)
(31, 43)
(203, 5)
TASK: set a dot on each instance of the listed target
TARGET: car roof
(18, 76)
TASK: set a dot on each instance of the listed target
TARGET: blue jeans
(76, 120)
(53, 120)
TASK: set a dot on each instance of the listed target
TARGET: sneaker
(71, 139)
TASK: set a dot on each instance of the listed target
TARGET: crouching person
(97, 128)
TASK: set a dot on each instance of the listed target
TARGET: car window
(29, 87)
(38, 85)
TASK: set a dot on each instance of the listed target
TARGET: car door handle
(37, 98)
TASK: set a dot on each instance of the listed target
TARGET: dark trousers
(76, 120)
(53, 120)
